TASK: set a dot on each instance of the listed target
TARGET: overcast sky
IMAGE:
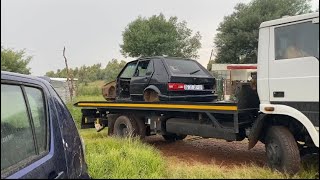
(91, 30)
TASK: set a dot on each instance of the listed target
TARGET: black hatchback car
(165, 79)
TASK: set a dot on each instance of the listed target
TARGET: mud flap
(255, 131)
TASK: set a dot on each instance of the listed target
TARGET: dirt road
(197, 150)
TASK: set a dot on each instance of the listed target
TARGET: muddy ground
(198, 150)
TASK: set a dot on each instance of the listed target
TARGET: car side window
(24, 130)
(150, 68)
(17, 142)
(141, 69)
(38, 113)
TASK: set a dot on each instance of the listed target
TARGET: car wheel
(151, 96)
(125, 127)
(282, 150)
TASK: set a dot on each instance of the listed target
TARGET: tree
(157, 36)
(237, 37)
(112, 69)
(14, 61)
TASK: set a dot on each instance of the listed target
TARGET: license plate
(193, 87)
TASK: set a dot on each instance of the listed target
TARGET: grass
(121, 158)
(110, 157)
(91, 89)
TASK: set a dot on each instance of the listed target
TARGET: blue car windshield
(185, 67)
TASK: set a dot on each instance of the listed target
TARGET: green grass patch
(90, 89)
(109, 157)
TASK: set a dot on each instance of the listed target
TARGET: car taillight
(175, 86)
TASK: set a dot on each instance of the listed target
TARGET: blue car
(39, 138)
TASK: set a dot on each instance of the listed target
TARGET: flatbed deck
(160, 106)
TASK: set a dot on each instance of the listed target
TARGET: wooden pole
(69, 77)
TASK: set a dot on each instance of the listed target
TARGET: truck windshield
(184, 67)
(297, 41)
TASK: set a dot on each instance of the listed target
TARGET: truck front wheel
(282, 150)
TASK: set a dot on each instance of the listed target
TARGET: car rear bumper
(195, 98)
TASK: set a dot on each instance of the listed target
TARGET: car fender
(154, 88)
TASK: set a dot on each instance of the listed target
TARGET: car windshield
(184, 67)
(129, 70)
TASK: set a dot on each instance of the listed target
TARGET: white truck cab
(288, 69)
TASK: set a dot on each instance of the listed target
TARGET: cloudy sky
(91, 30)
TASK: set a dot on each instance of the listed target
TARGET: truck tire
(282, 150)
(125, 126)
(173, 137)
(111, 120)
(141, 126)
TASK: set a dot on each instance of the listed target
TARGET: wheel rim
(274, 154)
(123, 130)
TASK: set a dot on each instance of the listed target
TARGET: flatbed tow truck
(282, 113)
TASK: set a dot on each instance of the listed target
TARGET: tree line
(86, 74)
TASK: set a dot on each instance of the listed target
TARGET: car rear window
(184, 67)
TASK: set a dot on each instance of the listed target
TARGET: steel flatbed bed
(210, 119)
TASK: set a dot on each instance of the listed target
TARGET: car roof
(288, 19)
(6, 75)
(161, 57)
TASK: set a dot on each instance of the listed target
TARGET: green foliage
(112, 69)
(14, 61)
(237, 37)
(157, 36)
(86, 74)
(209, 65)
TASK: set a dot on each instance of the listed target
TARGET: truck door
(141, 79)
(294, 65)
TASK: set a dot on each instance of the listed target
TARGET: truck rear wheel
(111, 120)
(173, 137)
(125, 127)
(141, 126)
(282, 150)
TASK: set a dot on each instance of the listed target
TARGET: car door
(141, 78)
(31, 145)
(123, 80)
